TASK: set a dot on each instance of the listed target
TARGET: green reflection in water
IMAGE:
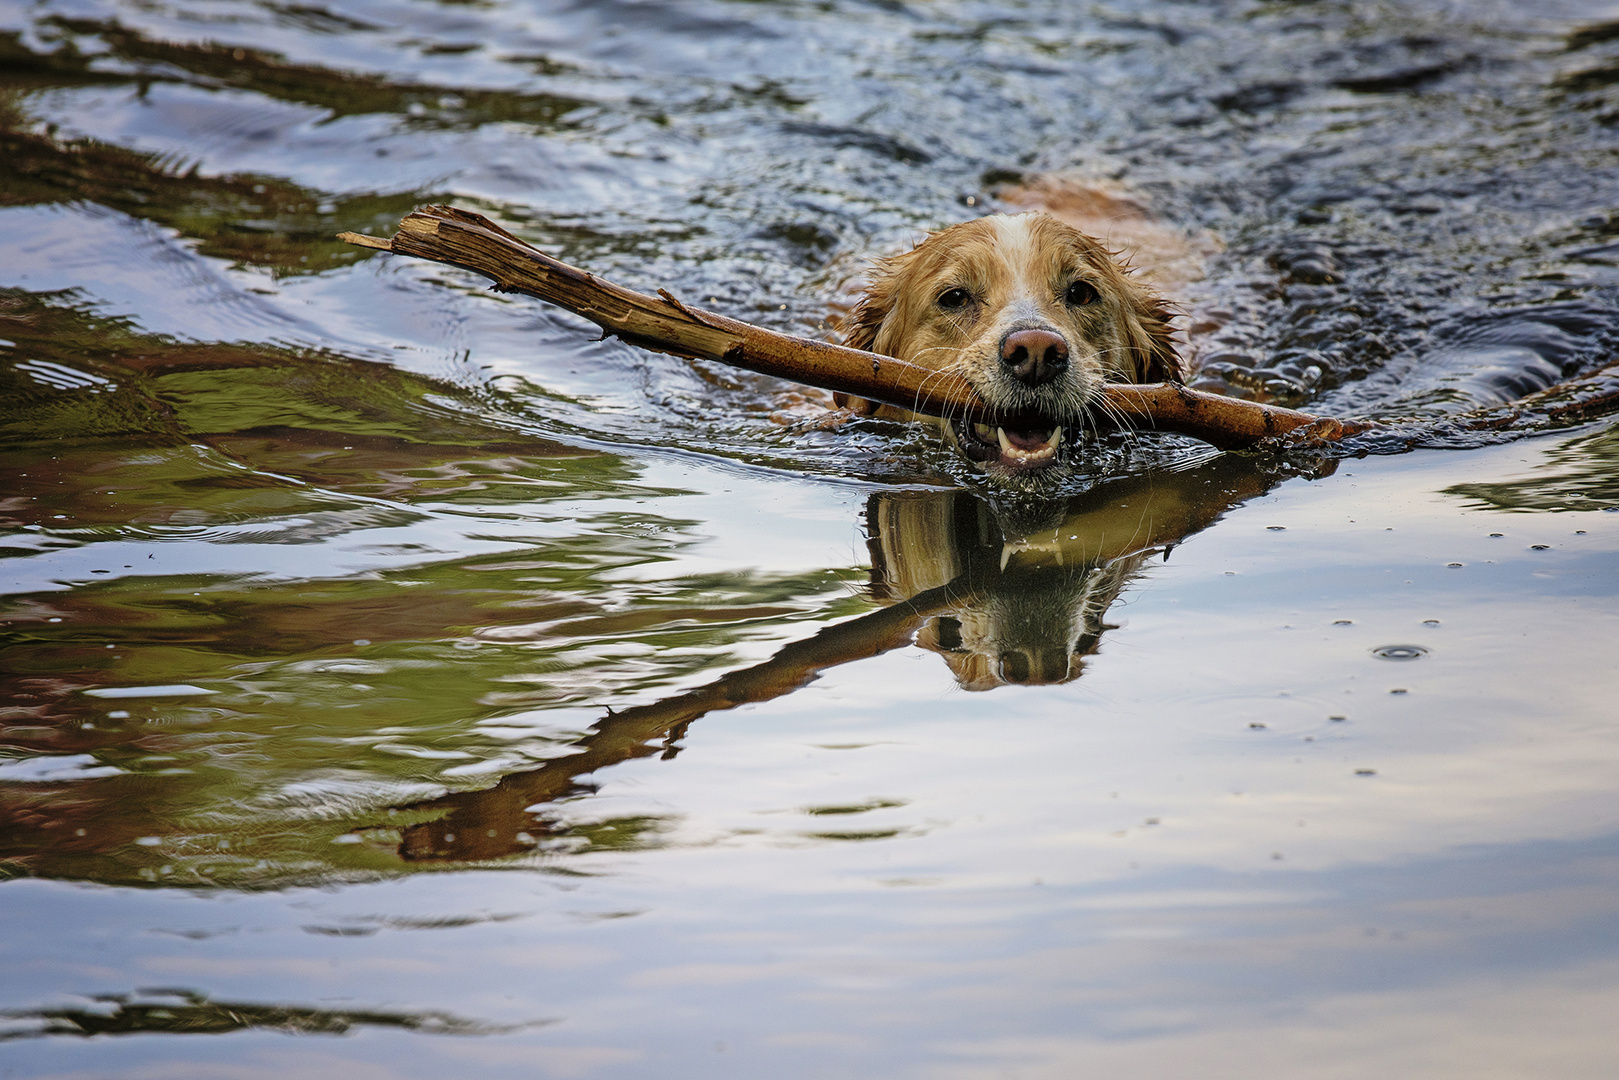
(384, 584)
(358, 717)
(247, 218)
(1580, 474)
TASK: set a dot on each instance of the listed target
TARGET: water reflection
(1032, 583)
(413, 534)
(185, 1012)
(1005, 594)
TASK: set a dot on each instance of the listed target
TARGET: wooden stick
(664, 324)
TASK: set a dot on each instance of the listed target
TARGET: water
(390, 662)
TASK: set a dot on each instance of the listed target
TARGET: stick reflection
(1005, 595)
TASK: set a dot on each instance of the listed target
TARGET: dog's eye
(954, 299)
(1081, 293)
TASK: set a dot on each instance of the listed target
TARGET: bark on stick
(664, 324)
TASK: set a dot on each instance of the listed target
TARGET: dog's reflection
(1030, 607)
(1006, 594)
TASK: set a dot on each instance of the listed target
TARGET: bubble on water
(1400, 652)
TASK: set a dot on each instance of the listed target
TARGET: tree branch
(664, 324)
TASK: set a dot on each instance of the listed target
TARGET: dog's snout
(1034, 356)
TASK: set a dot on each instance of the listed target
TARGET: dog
(1034, 312)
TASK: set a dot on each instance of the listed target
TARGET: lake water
(399, 682)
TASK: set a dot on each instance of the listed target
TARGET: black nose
(1034, 356)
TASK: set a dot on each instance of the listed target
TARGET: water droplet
(1256, 724)
(1275, 528)
(1343, 622)
(1399, 690)
(1400, 652)
(1538, 547)
(1453, 566)
(1365, 772)
(1430, 622)
(1337, 719)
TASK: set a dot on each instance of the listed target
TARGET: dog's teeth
(1006, 443)
(1056, 438)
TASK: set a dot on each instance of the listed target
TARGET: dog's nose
(1034, 356)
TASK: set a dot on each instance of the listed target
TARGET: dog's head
(1032, 312)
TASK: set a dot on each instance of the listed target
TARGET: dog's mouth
(1023, 447)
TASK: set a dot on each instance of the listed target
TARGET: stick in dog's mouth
(1136, 350)
(1034, 314)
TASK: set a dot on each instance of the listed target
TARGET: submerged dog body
(1034, 313)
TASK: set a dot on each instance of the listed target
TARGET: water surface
(400, 682)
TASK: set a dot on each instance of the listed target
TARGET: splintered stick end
(360, 240)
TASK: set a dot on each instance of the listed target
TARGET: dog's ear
(1153, 345)
(863, 324)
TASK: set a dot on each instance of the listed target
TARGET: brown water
(388, 663)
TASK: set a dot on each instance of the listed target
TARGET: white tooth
(1006, 556)
(1056, 438)
(1006, 444)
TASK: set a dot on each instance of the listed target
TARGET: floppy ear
(860, 332)
(860, 329)
(1155, 357)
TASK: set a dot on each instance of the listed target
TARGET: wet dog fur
(1036, 314)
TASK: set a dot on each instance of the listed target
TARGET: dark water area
(398, 681)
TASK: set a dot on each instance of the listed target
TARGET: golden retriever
(1036, 314)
